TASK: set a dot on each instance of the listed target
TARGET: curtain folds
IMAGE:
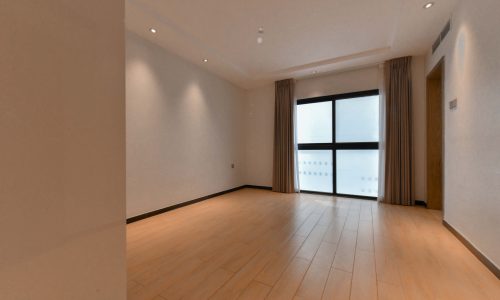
(398, 166)
(382, 133)
(284, 177)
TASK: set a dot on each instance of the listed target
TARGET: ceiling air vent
(441, 36)
(445, 30)
(436, 44)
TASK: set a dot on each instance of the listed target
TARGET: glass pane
(315, 170)
(314, 122)
(357, 172)
(357, 120)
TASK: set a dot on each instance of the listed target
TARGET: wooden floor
(255, 244)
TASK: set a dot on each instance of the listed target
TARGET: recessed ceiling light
(429, 5)
(205, 60)
(260, 35)
(152, 30)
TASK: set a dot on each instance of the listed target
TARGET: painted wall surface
(184, 130)
(62, 162)
(345, 82)
(259, 136)
(472, 141)
(260, 117)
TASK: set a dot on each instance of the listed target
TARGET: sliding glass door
(338, 139)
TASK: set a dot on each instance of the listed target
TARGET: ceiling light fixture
(205, 60)
(429, 5)
(260, 37)
(152, 30)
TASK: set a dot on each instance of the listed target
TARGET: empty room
(280, 149)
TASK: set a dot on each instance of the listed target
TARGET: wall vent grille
(441, 36)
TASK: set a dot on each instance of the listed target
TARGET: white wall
(184, 130)
(472, 132)
(62, 129)
(346, 82)
(260, 117)
(259, 136)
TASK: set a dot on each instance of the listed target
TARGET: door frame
(435, 128)
(334, 146)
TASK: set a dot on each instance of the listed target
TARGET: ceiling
(301, 37)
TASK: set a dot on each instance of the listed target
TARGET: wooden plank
(255, 291)
(364, 279)
(314, 282)
(290, 280)
(338, 285)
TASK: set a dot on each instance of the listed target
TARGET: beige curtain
(382, 133)
(284, 141)
(398, 184)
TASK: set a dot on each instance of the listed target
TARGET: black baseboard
(259, 187)
(420, 203)
(169, 208)
(483, 259)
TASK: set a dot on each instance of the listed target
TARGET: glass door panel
(314, 123)
(316, 170)
(357, 120)
(357, 172)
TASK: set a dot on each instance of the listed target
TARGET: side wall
(62, 129)
(184, 130)
(472, 143)
(259, 136)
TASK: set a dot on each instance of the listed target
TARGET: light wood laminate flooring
(256, 244)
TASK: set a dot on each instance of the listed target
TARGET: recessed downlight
(152, 30)
(429, 5)
(205, 60)
(260, 35)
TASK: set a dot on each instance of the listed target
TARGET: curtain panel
(382, 133)
(398, 167)
(284, 179)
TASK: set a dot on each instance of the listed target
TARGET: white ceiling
(300, 36)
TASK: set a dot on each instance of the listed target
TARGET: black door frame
(334, 146)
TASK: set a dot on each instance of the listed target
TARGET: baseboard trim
(249, 186)
(420, 203)
(259, 187)
(482, 258)
(169, 208)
